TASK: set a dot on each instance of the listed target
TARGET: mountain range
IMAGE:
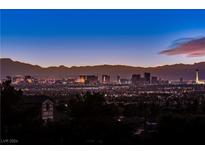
(169, 72)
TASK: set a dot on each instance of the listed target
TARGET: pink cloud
(190, 48)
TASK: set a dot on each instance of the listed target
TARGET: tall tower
(197, 76)
(105, 79)
(118, 79)
(147, 77)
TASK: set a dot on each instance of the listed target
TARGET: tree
(10, 99)
(93, 119)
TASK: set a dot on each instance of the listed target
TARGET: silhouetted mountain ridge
(171, 72)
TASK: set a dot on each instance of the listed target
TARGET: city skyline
(95, 37)
(171, 72)
(102, 77)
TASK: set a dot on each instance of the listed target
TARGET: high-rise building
(154, 80)
(28, 79)
(197, 78)
(105, 79)
(82, 79)
(136, 78)
(147, 77)
(118, 79)
(197, 75)
(91, 79)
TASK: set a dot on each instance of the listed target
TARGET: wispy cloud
(191, 47)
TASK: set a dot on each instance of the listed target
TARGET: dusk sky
(95, 37)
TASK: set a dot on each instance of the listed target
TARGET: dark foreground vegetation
(89, 119)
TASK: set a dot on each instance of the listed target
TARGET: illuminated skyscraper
(82, 79)
(118, 79)
(197, 78)
(105, 79)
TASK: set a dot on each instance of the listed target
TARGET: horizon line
(61, 65)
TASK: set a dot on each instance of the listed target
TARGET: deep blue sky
(92, 37)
